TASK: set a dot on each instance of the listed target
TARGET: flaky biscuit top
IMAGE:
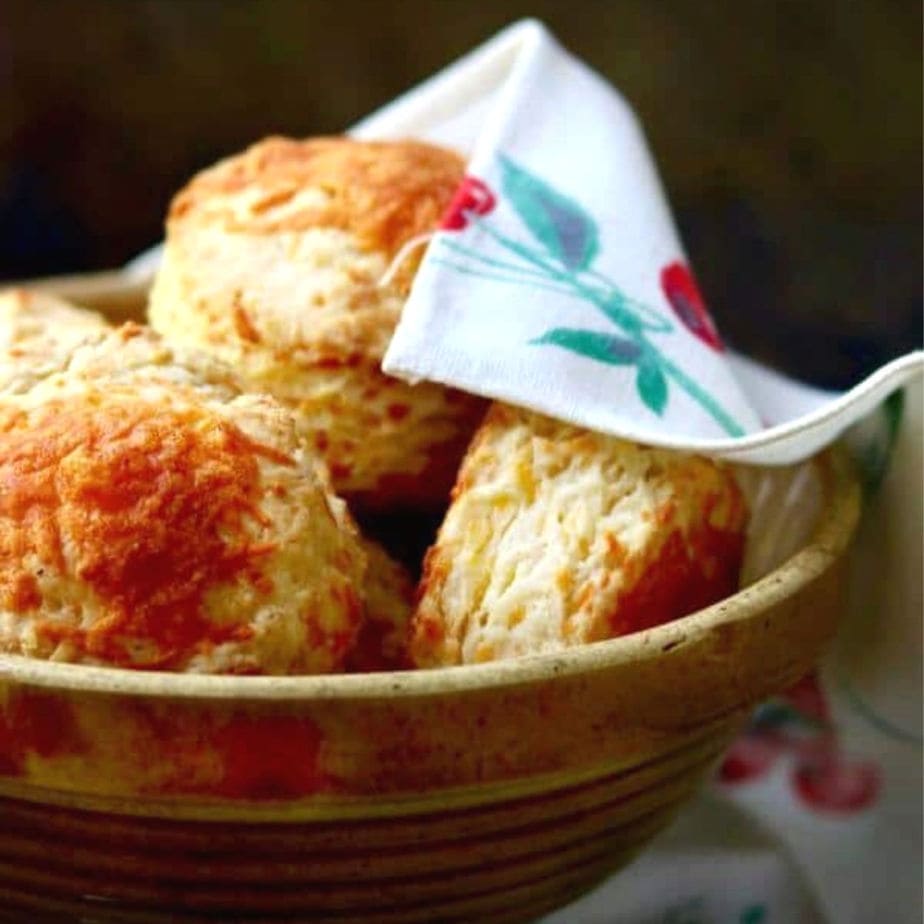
(37, 331)
(131, 353)
(382, 193)
(143, 525)
(558, 536)
(274, 262)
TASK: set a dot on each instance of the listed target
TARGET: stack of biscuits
(185, 496)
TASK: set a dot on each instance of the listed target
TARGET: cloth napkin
(558, 281)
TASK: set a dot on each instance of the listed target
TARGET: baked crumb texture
(558, 536)
(37, 331)
(151, 516)
(273, 261)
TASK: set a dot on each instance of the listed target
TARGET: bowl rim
(831, 535)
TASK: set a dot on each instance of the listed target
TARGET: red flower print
(826, 781)
(798, 726)
(473, 195)
(750, 757)
(681, 291)
(807, 698)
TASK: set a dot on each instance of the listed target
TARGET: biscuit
(273, 262)
(557, 536)
(131, 353)
(150, 521)
(38, 330)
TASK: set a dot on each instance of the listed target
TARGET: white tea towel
(558, 282)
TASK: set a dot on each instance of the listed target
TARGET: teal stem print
(559, 256)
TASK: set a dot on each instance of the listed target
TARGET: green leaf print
(605, 348)
(557, 257)
(562, 226)
(651, 385)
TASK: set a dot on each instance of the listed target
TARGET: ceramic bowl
(486, 793)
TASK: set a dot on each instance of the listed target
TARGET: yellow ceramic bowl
(486, 793)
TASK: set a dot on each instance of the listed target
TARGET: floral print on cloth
(558, 281)
(798, 727)
(558, 254)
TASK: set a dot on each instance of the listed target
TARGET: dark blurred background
(788, 134)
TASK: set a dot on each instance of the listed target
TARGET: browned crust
(152, 504)
(383, 192)
(681, 568)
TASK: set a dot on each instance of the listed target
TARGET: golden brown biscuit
(131, 353)
(557, 536)
(148, 523)
(273, 262)
(38, 330)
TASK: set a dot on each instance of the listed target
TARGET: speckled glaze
(488, 793)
